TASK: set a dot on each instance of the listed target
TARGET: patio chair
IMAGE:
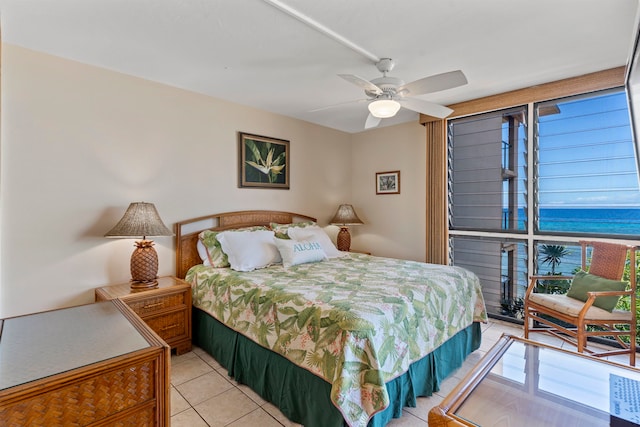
(587, 309)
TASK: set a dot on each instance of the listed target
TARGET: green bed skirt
(304, 397)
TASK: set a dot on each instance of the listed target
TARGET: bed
(330, 338)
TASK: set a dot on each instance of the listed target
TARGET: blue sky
(573, 145)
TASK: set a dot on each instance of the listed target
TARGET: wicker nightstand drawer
(169, 325)
(166, 309)
(158, 303)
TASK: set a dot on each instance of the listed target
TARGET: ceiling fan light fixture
(384, 108)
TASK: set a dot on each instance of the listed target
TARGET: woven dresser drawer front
(169, 325)
(157, 303)
(87, 400)
(143, 418)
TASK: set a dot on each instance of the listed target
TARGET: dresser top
(44, 344)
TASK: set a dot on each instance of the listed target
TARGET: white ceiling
(252, 53)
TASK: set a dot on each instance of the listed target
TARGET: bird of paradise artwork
(264, 162)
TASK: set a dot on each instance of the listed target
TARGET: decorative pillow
(313, 233)
(294, 252)
(202, 252)
(281, 229)
(249, 250)
(210, 250)
(584, 282)
(213, 254)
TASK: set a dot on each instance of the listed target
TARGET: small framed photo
(263, 162)
(388, 182)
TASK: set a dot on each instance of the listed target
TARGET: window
(501, 266)
(522, 194)
(487, 167)
(586, 169)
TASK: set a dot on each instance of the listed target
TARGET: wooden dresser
(166, 308)
(95, 364)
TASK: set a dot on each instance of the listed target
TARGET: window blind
(487, 171)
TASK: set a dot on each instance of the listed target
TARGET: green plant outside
(513, 307)
(552, 255)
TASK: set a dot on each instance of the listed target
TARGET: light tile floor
(203, 395)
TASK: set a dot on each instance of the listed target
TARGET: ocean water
(619, 222)
(593, 220)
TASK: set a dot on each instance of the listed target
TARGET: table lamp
(141, 220)
(345, 216)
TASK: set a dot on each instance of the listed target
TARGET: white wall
(79, 143)
(394, 223)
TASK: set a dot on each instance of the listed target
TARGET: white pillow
(316, 234)
(294, 252)
(249, 250)
(202, 251)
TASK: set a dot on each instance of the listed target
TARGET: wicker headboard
(187, 231)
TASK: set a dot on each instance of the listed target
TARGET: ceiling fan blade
(363, 83)
(372, 121)
(339, 104)
(426, 107)
(433, 83)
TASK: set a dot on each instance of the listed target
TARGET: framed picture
(388, 182)
(263, 162)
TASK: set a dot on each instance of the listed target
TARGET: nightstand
(165, 309)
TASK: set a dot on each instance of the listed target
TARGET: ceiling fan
(387, 94)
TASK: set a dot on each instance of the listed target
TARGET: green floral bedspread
(357, 321)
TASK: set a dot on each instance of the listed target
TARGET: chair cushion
(572, 307)
(584, 282)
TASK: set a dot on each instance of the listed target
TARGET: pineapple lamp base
(144, 266)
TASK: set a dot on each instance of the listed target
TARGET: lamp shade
(384, 108)
(140, 220)
(346, 215)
